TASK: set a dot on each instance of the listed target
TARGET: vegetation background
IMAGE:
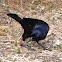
(11, 31)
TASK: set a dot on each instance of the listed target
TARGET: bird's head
(36, 34)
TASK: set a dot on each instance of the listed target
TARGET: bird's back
(29, 24)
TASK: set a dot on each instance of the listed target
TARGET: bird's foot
(27, 46)
(32, 49)
(47, 49)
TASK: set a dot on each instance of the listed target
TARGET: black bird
(33, 28)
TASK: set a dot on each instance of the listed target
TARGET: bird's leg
(41, 45)
(26, 43)
(44, 47)
(27, 46)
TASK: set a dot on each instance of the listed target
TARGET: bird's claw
(32, 49)
(47, 49)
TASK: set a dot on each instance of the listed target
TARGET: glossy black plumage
(34, 28)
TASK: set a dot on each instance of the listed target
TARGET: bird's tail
(16, 17)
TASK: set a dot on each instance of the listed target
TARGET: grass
(51, 6)
(53, 19)
(30, 8)
(44, 61)
(15, 60)
(17, 46)
(58, 12)
(4, 2)
(40, 6)
(7, 8)
(21, 41)
(15, 43)
(3, 32)
(18, 49)
(61, 17)
(56, 7)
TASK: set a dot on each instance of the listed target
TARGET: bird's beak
(30, 39)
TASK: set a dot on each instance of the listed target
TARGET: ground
(11, 31)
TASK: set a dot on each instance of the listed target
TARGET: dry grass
(11, 31)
